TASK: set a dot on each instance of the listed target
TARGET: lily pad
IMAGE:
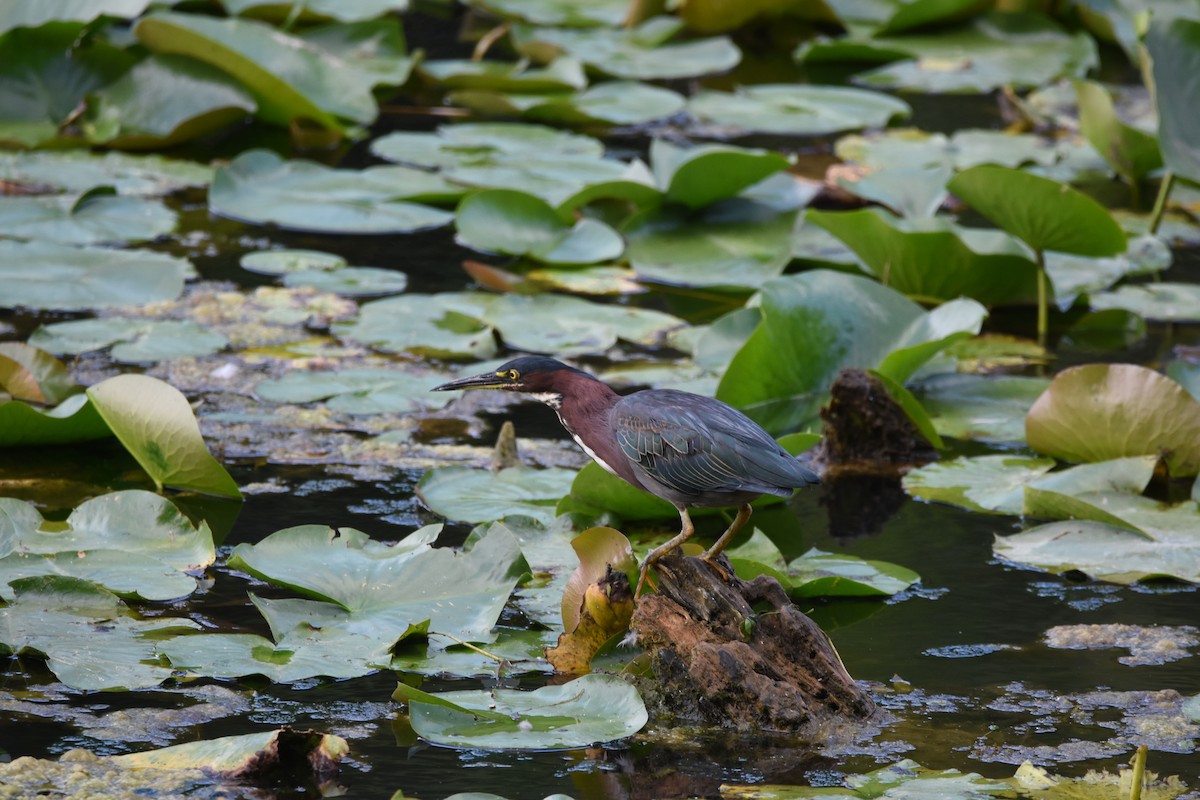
(514, 223)
(281, 262)
(260, 187)
(133, 543)
(1131, 152)
(1045, 214)
(76, 171)
(818, 322)
(641, 53)
(351, 391)
(818, 573)
(606, 13)
(476, 495)
(90, 639)
(595, 490)
(132, 340)
(73, 420)
(989, 408)
(94, 217)
(30, 374)
(154, 422)
(590, 709)
(505, 76)
(608, 103)
(1174, 49)
(1101, 411)
(163, 101)
(351, 281)
(699, 176)
(730, 243)
(48, 275)
(38, 14)
(482, 143)
(933, 259)
(344, 10)
(1169, 302)
(796, 110)
(288, 77)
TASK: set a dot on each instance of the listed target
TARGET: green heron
(690, 450)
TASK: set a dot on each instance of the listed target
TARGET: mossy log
(739, 654)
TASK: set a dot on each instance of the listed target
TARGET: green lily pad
(90, 639)
(476, 495)
(930, 13)
(94, 217)
(988, 408)
(514, 223)
(447, 324)
(154, 422)
(816, 323)
(699, 176)
(45, 72)
(568, 13)
(522, 651)
(33, 375)
(1045, 214)
(933, 259)
(76, 171)
(260, 187)
(818, 573)
(1169, 302)
(1101, 411)
(37, 14)
(48, 275)
(1174, 49)
(132, 340)
(351, 281)
(590, 709)
(640, 53)
(1072, 275)
(504, 76)
(595, 490)
(351, 391)
(998, 483)
(548, 323)
(730, 243)
(281, 262)
(344, 10)
(288, 77)
(1131, 152)
(163, 101)
(375, 48)
(482, 143)
(73, 420)
(796, 110)
(608, 103)
(133, 543)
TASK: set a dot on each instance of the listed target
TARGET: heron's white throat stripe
(552, 399)
(593, 455)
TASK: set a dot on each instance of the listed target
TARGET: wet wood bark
(739, 654)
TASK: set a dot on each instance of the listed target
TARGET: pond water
(960, 663)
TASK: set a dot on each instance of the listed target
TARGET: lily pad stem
(1139, 773)
(1160, 202)
(1043, 313)
(470, 646)
(488, 39)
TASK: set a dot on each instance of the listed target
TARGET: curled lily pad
(30, 374)
(699, 176)
(515, 223)
(258, 186)
(133, 543)
(132, 340)
(1101, 411)
(641, 53)
(49, 275)
(73, 420)
(796, 109)
(593, 708)
(475, 495)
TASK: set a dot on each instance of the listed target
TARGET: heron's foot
(709, 558)
(643, 579)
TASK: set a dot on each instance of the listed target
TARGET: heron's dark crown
(538, 374)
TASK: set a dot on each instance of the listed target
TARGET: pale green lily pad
(132, 340)
(373, 47)
(163, 101)
(608, 103)
(732, 243)
(588, 710)
(796, 110)
(154, 422)
(288, 77)
(95, 217)
(998, 483)
(344, 10)
(475, 495)
(515, 223)
(989, 408)
(904, 779)
(1045, 214)
(351, 281)
(933, 259)
(640, 53)
(90, 639)
(548, 323)
(482, 143)
(1172, 45)
(133, 543)
(821, 574)
(1102, 411)
(699, 176)
(75, 171)
(505, 76)
(447, 324)
(1073, 275)
(818, 322)
(49, 275)
(522, 651)
(1169, 302)
(352, 391)
(33, 15)
(568, 13)
(260, 187)
(281, 262)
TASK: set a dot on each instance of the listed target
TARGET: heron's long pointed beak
(488, 380)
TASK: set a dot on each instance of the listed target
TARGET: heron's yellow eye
(513, 375)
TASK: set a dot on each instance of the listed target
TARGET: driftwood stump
(740, 654)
